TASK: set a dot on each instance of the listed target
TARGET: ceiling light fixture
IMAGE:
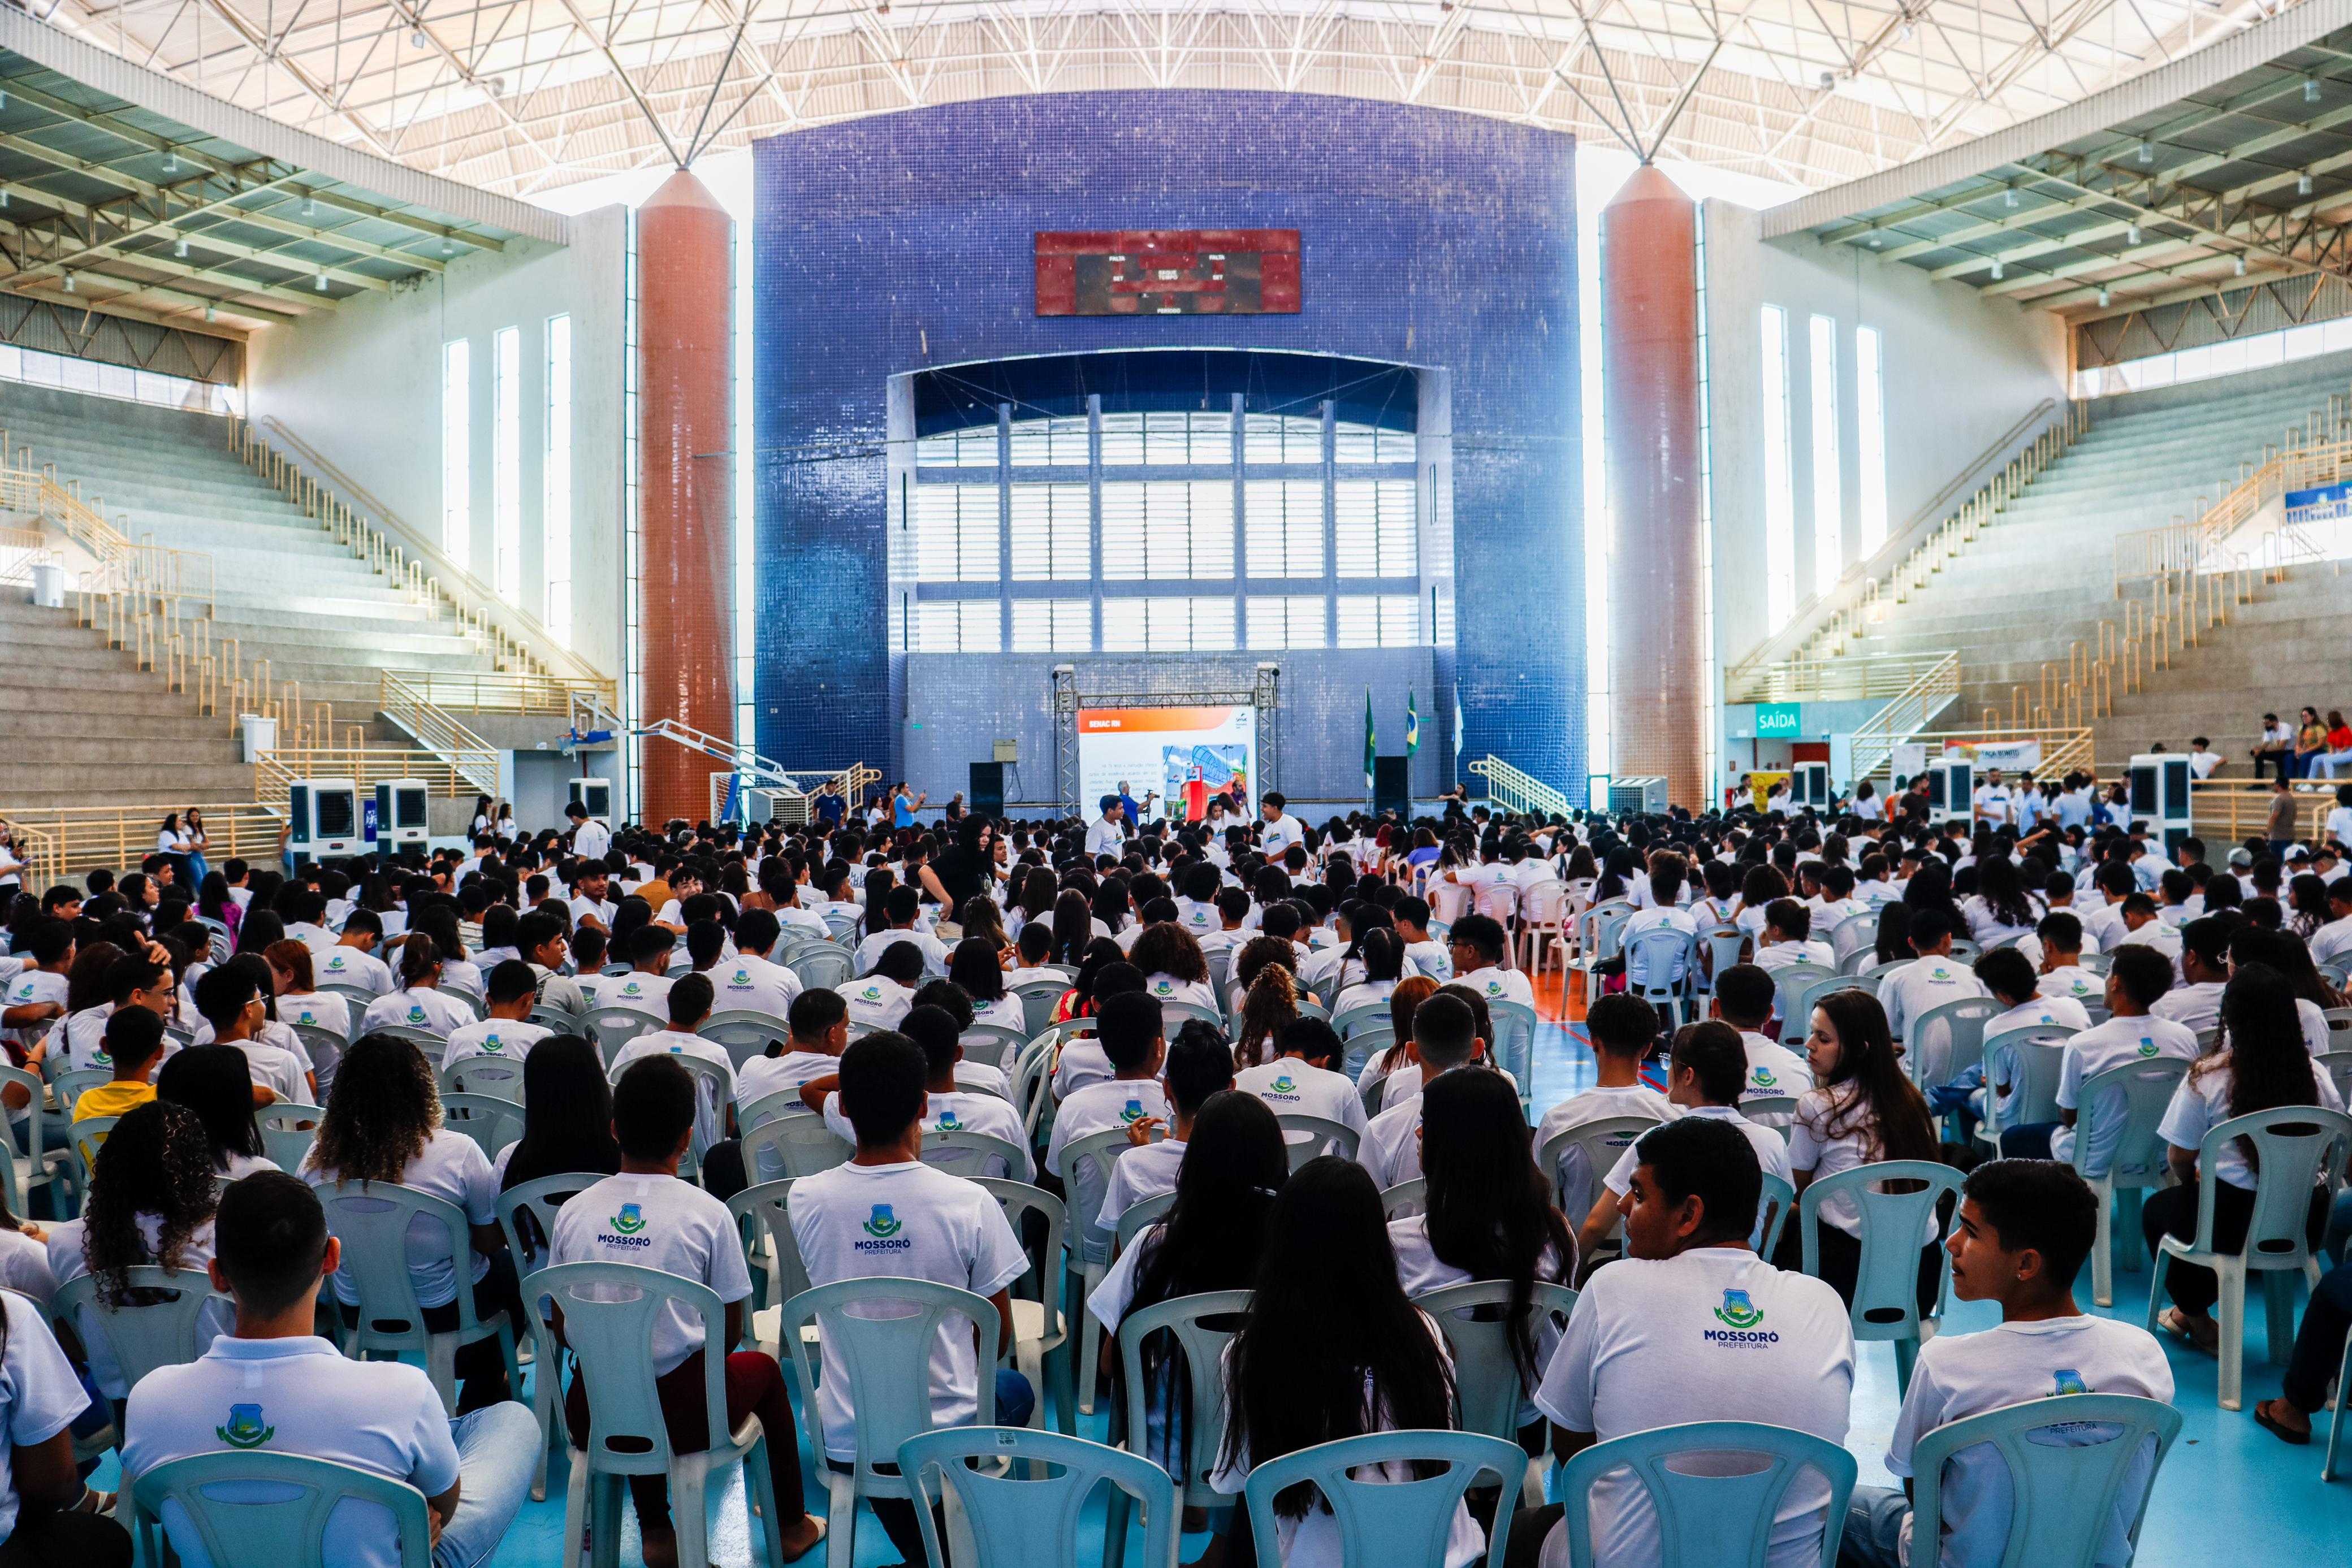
(180, 248)
(2102, 300)
(2303, 183)
(1875, 242)
(1996, 272)
(2131, 234)
(69, 283)
(2008, 197)
(2311, 91)
(309, 206)
(171, 163)
(1906, 32)
(2148, 152)
(416, 40)
(323, 283)
(2242, 265)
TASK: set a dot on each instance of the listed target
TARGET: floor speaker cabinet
(988, 788)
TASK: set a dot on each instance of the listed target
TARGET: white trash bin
(260, 734)
(50, 587)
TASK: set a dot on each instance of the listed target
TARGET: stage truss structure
(1263, 692)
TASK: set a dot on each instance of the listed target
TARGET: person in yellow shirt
(134, 1042)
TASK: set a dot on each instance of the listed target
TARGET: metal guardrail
(59, 844)
(2064, 748)
(502, 690)
(275, 770)
(2298, 462)
(466, 754)
(1848, 679)
(1932, 689)
(2239, 811)
(1518, 792)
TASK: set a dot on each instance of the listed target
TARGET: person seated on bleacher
(508, 1034)
(2024, 1228)
(1788, 938)
(384, 1124)
(1931, 979)
(687, 1232)
(418, 1004)
(1704, 1078)
(275, 1387)
(945, 1229)
(1673, 1333)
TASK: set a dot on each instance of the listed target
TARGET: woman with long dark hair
(1862, 1109)
(1074, 927)
(1758, 890)
(214, 903)
(384, 1124)
(151, 1200)
(1372, 970)
(1210, 1239)
(1330, 1348)
(567, 1115)
(215, 1082)
(977, 965)
(2000, 907)
(1409, 993)
(2258, 1063)
(1174, 968)
(1488, 1212)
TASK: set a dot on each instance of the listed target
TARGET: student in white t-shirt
(2008, 976)
(646, 1217)
(1862, 1109)
(1128, 1030)
(2202, 962)
(1304, 1080)
(1327, 1297)
(887, 1214)
(1932, 979)
(882, 998)
(2261, 1048)
(1788, 938)
(1692, 1325)
(1744, 997)
(1704, 1078)
(948, 1108)
(40, 1398)
(1475, 946)
(231, 1002)
(1199, 1065)
(508, 1034)
(900, 906)
(818, 1025)
(418, 1004)
(689, 1008)
(383, 1124)
(646, 983)
(354, 959)
(2140, 977)
(2059, 959)
(1623, 1029)
(274, 1386)
(2020, 1238)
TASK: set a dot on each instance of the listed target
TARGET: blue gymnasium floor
(2230, 1492)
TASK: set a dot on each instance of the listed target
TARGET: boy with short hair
(1475, 946)
(352, 960)
(818, 1023)
(2203, 962)
(648, 1218)
(2137, 981)
(274, 1386)
(2057, 941)
(1200, 1064)
(751, 983)
(1127, 1032)
(1744, 996)
(886, 1213)
(135, 1046)
(647, 982)
(231, 1002)
(508, 1033)
(1444, 1036)
(1931, 980)
(1705, 1079)
(2024, 1228)
(689, 1008)
(1623, 1030)
(948, 1109)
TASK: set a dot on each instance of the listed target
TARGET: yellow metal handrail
(470, 756)
(1842, 679)
(2299, 461)
(60, 842)
(1514, 791)
(1928, 693)
(502, 690)
(2241, 810)
(275, 770)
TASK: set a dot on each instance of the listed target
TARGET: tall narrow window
(1870, 437)
(555, 479)
(1829, 492)
(1779, 496)
(506, 463)
(456, 452)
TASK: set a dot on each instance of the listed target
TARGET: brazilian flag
(1371, 740)
(1412, 724)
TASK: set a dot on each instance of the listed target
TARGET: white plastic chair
(1887, 1281)
(1663, 954)
(609, 1311)
(1362, 1015)
(283, 1137)
(44, 1167)
(1543, 908)
(2338, 1065)
(236, 1505)
(1038, 1001)
(996, 1045)
(2139, 1161)
(491, 1121)
(70, 1085)
(1714, 1514)
(2065, 1492)
(145, 1331)
(1772, 1211)
(744, 1032)
(1947, 1040)
(1604, 1141)
(84, 1138)
(1322, 1135)
(371, 1220)
(1004, 1515)
(886, 1360)
(612, 1027)
(1201, 1327)
(1403, 1200)
(1382, 1522)
(1790, 983)
(1488, 1391)
(2028, 1061)
(2294, 1148)
(495, 1077)
(1040, 1328)
(961, 1152)
(1085, 1170)
(1513, 1048)
(1854, 934)
(799, 1143)
(539, 1199)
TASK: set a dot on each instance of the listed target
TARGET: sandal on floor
(2284, 1433)
(2175, 1322)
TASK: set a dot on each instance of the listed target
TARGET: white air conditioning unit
(1646, 795)
(325, 814)
(1951, 790)
(2160, 787)
(1809, 785)
(594, 796)
(400, 813)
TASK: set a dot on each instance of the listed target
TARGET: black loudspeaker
(1393, 785)
(988, 788)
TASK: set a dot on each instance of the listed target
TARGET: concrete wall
(1959, 369)
(363, 385)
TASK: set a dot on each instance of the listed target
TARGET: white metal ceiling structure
(523, 96)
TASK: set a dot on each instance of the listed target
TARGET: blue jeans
(1874, 1519)
(2338, 1244)
(498, 1450)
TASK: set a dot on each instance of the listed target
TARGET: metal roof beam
(115, 307)
(41, 290)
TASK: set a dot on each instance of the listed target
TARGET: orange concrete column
(686, 338)
(1657, 669)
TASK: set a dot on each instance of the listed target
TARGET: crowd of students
(1213, 982)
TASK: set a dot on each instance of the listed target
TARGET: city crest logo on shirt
(630, 1220)
(336, 962)
(493, 1044)
(882, 1222)
(2066, 1380)
(948, 1122)
(415, 1014)
(245, 1428)
(1940, 972)
(1133, 1112)
(1493, 987)
(631, 990)
(743, 976)
(870, 994)
(1764, 1078)
(2147, 1046)
(1163, 988)
(1283, 1085)
(1737, 1310)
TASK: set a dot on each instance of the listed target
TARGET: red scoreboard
(1168, 272)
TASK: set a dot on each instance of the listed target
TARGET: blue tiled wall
(1429, 237)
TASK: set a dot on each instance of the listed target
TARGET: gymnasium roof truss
(2245, 179)
(108, 205)
(525, 95)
